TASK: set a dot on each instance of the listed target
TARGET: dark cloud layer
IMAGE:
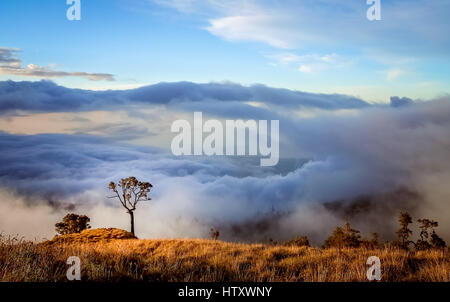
(397, 102)
(45, 96)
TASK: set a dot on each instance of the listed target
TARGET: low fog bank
(365, 165)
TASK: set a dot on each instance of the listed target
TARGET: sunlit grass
(110, 259)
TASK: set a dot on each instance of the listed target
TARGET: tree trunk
(132, 221)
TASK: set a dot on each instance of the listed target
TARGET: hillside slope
(110, 259)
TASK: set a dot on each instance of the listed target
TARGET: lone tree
(72, 223)
(130, 191)
(403, 233)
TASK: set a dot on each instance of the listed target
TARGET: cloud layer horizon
(342, 158)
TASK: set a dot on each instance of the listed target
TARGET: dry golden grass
(104, 258)
(92, 235)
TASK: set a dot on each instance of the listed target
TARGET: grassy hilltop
(116, 255)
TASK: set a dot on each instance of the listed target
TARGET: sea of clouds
(341, 158)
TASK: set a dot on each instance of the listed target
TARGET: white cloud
(296, 24)
(186, 6)
(311, 62)
(329, 58)
(306, 68)
(256, 28)
(284, 58)
(394, 74)
(368, 152)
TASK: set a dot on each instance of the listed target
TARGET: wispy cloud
(310, 63)
(8, 56)
(394, 74)
(256, 28)
(10, 64)
(296, 24)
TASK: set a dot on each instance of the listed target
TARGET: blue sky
(324, 46)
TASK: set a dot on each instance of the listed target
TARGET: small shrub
(272, 242)
(72, 223)
(214, 233)
(297, 241)
(344, 237)
(437, 242)
(372, 243)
